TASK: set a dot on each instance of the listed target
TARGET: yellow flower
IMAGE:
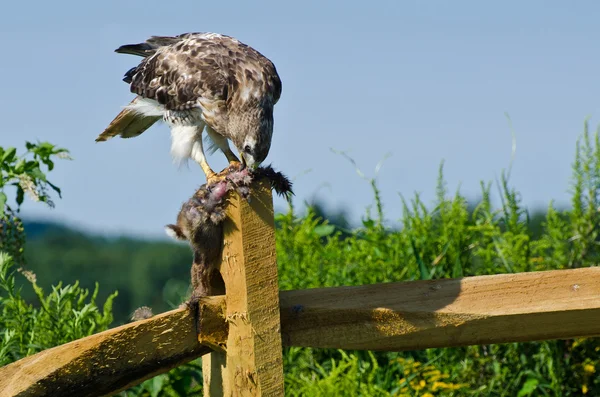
(413, 384)
(584, 389)
(589, 369)
(435, 378)
(417, 386)
(448, 386)
(427, 395)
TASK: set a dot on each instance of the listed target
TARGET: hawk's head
(251, 133)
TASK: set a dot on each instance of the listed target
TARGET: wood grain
(455, 312)
(253, 364)
(116, 359)
(392, 316)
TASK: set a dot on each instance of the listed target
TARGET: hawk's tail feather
(149, 47)
(128, 124)
(142, 49)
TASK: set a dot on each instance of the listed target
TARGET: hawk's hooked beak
(251, 164)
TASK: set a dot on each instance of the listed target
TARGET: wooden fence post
(253, 363)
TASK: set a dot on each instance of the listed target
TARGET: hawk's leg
(223, 144)
(186, 142)
(211, 177)
(198, 155)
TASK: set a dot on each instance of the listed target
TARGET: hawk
(196, 82)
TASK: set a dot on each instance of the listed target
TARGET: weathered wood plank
(423, 314)
(392, 316)
(253, 364)
(113, 360)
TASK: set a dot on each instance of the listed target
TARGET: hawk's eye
(247, 148)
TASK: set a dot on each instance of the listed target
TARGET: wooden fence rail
(417, 315)
(110, 361)
(242, 332)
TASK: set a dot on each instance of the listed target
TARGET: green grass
(446, 239)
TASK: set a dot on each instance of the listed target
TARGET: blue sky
(422, 80)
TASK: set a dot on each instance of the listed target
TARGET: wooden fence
(240, 334)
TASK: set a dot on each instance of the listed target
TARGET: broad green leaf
(31, 164)
(20, 167)
(324, 230)
(46, 145)
(9, 155)
(2, 202)
(156, 385)
(528, 387)
(37, 174)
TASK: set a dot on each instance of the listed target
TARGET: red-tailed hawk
(198, 81)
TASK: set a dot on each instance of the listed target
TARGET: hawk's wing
(179, 74)
(195, 69)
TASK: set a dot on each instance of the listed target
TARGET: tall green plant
(24, 174)
(447, 238)
(66, 313)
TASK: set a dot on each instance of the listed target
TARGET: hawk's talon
(214, 178)
(211, 176)
(235, 166)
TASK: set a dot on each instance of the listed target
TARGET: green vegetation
(64, 314)
(451, 238)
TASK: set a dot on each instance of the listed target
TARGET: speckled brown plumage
(199, 65)
(214, 80)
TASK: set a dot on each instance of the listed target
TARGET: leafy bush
(25, 175)
(65, 314)
(451, 238)
(185, 380)
(454, 239)
(62, 316)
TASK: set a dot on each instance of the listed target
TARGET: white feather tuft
(147, 107)
(183, 140)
